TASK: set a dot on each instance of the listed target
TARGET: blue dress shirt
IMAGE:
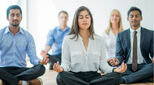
(13, 48)
(55, 38)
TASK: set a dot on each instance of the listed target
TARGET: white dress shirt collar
(138, 30)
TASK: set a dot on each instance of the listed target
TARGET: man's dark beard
(15, 25)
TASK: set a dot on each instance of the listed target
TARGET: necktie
(134, 63)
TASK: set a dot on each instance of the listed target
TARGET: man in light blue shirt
(55, 38)
(15, 43)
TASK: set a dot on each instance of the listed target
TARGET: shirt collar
(63, 30)
(7, 30)
(138, 30)
(89, 38)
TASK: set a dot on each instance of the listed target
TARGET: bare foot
(20, 82)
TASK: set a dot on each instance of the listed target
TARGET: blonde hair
(107, 31)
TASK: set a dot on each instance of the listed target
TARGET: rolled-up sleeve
(66, 58)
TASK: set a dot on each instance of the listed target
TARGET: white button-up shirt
(110, 44)
(77, 59)
(140, 58)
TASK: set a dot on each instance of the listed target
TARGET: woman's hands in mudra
(122, 68)
(57, 67)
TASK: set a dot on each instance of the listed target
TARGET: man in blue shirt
(55, 38)
(15, 42)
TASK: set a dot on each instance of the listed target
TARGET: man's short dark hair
(13, 7)
(134, 9)
(62, 12)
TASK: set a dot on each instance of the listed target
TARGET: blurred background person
(110, 34)
(135, 46)
(55, 38)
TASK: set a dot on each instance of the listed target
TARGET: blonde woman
(115, 26)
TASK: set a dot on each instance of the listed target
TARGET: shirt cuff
(36, 62)
(65, 67)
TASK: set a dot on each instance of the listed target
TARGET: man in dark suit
(135, 46)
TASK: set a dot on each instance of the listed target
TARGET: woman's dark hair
(75, 25)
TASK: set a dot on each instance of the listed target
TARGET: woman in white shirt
(115, 26)
(83, 54)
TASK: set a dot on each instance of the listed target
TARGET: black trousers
(88, 78)
(53, 59)
(12, 75)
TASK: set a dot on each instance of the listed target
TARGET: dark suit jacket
(123, 45)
